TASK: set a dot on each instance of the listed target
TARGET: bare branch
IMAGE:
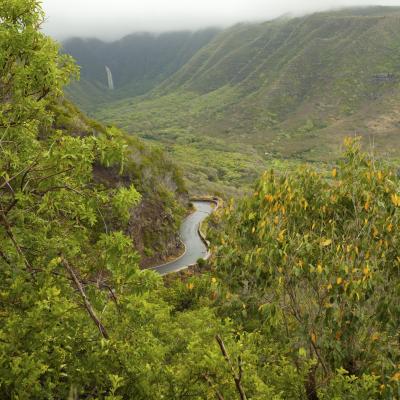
(236, 377)
(86, 301)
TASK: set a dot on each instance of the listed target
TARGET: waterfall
(110, 78)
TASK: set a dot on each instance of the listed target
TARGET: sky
(112, 19)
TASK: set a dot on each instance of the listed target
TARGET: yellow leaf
(375, 337)
(313, 337)
(396, 376)
(389, 228)
(395, 199)
(339, 280)
(334, 172)
(326, 242)
(190, 286)
(213, 280)
(319, 268)
(269, 198)
(366, 271)
(348, 141)
(276, 220)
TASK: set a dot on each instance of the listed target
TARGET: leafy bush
(314, 260)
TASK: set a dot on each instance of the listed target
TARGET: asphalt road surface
(195, 248)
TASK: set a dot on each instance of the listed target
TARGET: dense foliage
(312, 262)
(302, 303)
(77, 317)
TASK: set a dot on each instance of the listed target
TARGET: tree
(77, 316)
(316, 259)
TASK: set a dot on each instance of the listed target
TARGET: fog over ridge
(112, 20)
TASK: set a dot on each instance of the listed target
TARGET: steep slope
(155, 221)
(289, 88)
(138, 62)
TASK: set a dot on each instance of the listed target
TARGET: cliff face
(154, 223)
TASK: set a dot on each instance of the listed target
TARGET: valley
(276, 94)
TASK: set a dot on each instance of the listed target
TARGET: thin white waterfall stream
(110, 78)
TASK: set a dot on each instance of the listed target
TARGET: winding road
(195, 247)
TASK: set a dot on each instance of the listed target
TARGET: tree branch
(7, 227)
(5, 258)
(236, 377)
(86, 301)
(218, 394)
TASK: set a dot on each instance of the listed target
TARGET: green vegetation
(312, 263)
(211, 163)
(301, 300)
(284, 89)
(153, 225)
(138, 63)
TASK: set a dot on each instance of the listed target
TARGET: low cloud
(113, 19)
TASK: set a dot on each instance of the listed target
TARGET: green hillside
(154, 223)
(299, 300)
(138, 63)
(284, 89)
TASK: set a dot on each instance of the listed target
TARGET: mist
(110, 20)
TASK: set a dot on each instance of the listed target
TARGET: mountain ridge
(287, 89)
(138, 62)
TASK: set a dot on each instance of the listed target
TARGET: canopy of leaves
(313, 261)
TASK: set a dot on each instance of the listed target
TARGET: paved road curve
(195, 247)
